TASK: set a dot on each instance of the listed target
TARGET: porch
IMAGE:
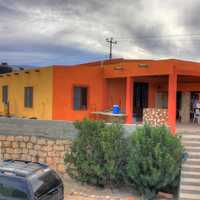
(166, 99)
(187, 128)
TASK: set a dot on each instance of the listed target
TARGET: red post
(129, 100)
(172, 89)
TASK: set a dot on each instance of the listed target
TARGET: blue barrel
(116, 109)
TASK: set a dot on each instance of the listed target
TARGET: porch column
(129, 100)
(172, 88)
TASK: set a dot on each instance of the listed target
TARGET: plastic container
(116, 109)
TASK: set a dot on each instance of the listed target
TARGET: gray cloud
(66, 31)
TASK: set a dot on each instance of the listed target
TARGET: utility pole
(111, 42)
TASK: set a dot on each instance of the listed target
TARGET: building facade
(156, 91)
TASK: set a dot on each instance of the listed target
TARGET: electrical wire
(191, 36)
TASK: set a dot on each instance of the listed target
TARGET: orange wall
(131, 68)
(117, 92)
(65, 78)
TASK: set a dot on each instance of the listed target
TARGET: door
(140, 99)
(178, 105)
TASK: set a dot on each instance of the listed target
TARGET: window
(80, 98)
(45, 183)
(28, 97)
(5, 94)
(11, 188)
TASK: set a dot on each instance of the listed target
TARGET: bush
(154, 160)
(97, 155)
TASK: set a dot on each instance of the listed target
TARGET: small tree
(154, 160)
(97, 154)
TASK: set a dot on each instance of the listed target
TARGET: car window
(44, 183)
(12, 189)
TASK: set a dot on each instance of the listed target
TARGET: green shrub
(97, 155)
(154, 160)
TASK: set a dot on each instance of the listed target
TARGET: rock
(165, 195)
(131, 198)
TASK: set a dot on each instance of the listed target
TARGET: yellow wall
(41, 82)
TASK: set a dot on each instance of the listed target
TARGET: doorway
(178, 105)
(140, 100)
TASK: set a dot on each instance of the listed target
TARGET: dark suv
(24, 180)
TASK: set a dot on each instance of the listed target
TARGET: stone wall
(185, 107)
(37, 149)
(39, 140)
(155, 116)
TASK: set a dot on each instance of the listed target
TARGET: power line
(111, 42)
(177, 37)
(155, 39)
(164, 36)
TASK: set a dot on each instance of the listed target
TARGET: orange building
(156, 91)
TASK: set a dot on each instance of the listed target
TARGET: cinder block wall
(34, 148)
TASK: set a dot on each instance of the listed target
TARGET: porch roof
(127, 68)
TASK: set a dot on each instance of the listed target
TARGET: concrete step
(191, 139)
(192, 161)
(190, 183)
(191, 166)
(188, 196)
(187, 144)
(189, 136)
(194, 176)
(190, 180)
(190, 192)
(198, 147)
(192, 149)
(194, 155)
(191, 133)
(190, 187)
(187, 140)
(190, 169)
(186, 199)
(190, 172)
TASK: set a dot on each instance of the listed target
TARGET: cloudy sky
(44, 32)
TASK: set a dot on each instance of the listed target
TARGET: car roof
(20, 168)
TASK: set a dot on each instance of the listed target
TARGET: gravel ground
(77, 191)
